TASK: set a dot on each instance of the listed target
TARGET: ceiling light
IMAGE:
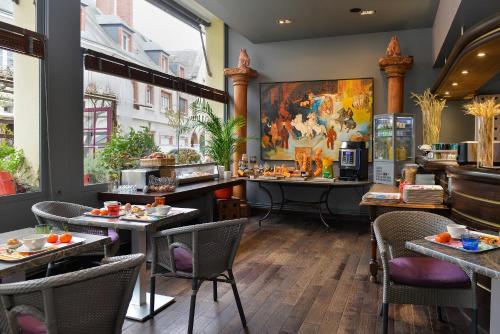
(455, 84)
(465, 72)
(481, 54)
(284, 21)
(446, 93)
(367, 12)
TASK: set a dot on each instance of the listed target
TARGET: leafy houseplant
(125, 149)
(222, 141)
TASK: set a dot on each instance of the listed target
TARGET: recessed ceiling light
(446, 93)
(465, 72)
(284, 21)
(367, 12)
(455, 84)
(481, 54)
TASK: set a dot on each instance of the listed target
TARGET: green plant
(14, 161)
(96, 168)
(222, 141)
(125, 149)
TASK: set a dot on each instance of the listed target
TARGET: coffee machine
(353, 161)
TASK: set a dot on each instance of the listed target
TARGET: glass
(43, 229)
(404, 138)
(113, 104)
(383, 138)
(19, 124)
(160, 200)
(470, 241)
(113, 209)
(19, 13)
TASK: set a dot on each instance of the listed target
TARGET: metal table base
(320, 204)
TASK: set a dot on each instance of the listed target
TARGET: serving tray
(457, 244)
(17, 256)
(88, 214)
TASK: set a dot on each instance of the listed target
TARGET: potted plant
(221, 141)
(125, 149)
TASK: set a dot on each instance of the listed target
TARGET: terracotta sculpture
(317, 159)
(393, 48)
(395, 66)
(243, 60)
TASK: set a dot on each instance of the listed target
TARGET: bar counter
(183, 192)
(475, 196)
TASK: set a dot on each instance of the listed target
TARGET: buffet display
(393, 146)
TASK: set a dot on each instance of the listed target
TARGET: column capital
(240, 75)
(395, 66)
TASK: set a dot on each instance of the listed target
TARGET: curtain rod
(100, 62)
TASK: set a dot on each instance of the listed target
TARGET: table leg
(320, 204)
(326, 201)
(282, 198)
(139, 306)
(271, 202)
(495, 306)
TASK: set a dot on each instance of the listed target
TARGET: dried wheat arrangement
(432, 109)
(485, 112)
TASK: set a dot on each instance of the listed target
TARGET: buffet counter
(475, 196)
(182, 193)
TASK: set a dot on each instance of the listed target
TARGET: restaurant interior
(231, 166)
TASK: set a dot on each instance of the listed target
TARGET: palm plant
(222, 141)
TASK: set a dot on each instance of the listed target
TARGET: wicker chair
(93, 300)
(203, 252)
(392, 230)
(58, 214)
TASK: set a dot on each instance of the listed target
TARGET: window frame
(169, 95)
(149, 96)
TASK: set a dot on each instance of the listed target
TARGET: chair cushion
(30, 325)
(183, 259)
(427, 272)
(113, 235)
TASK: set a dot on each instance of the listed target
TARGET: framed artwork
(314, 114)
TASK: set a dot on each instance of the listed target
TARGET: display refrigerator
(394, 146)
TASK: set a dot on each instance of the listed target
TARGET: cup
(227, 175)
(113, 209)
(470, 241)
(160, 200)
(410, 173)
(43, 229)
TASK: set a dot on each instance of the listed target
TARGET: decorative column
(240, 76)
(395, 67)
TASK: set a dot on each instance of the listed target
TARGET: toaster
(138, 177)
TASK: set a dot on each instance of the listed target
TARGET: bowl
(163, 210)
(150, 211)
(35, 241)
(456, 230)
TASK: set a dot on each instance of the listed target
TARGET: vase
(485, 141)
(227, 175)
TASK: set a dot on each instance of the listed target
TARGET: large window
(118, 109)
(19, 100)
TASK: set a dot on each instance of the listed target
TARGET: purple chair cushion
(30, 325)
(427, 272)
(183, 259)
(113, 235)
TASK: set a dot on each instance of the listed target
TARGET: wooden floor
(294, 277)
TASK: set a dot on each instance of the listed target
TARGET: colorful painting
(315, 114)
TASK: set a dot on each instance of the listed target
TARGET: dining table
(15, 271)
(139, 305)
(485, 263)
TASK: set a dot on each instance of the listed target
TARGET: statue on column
(243, 60)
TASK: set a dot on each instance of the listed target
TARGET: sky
(164, 29)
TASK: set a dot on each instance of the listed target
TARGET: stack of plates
(381, 197)
(423, 194)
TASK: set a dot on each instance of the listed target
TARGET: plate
(24, 249)
(88, 214)
(457, 244)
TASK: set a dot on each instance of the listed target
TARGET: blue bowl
(470, 241)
